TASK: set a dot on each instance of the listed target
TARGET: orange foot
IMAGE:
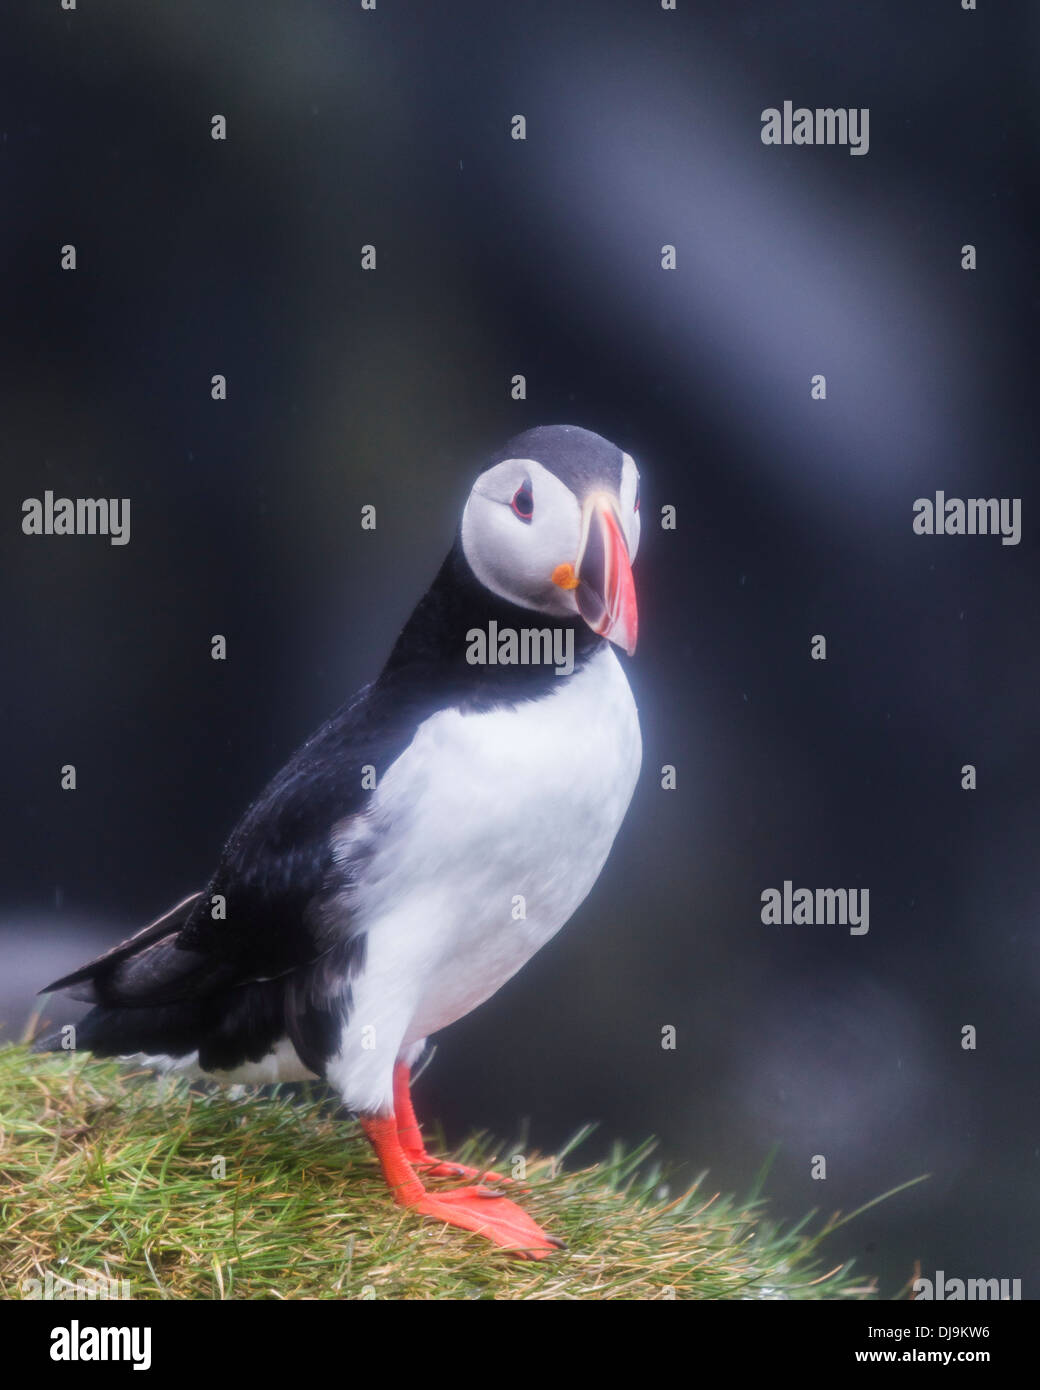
(478, 1209)
(491, 1215)
(410, 1135)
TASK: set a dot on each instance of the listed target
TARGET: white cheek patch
(513, 557)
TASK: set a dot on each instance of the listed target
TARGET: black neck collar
(431, 650)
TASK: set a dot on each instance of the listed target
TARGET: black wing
(267, 949)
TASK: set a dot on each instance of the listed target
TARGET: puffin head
(553, 525)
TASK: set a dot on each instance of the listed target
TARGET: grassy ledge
(108, 1173)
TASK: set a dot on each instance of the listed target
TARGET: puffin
(425, 842)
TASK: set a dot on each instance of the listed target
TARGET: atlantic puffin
(419, 848)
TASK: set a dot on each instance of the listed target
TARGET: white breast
(482, 839)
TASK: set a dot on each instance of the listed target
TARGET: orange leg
(410, 1135)
(478, 1209)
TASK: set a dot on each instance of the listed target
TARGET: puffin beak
(605, 591)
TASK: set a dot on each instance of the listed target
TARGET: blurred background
(542, 257)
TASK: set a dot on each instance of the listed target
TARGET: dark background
(794, 518)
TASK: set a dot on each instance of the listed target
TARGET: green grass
(106, 1172)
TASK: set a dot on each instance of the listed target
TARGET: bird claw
(431, 1167)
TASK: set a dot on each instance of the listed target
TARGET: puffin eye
(523, 501)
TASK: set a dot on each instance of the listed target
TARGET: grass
(110, 1173)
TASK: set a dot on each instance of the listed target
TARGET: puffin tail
(112, 980)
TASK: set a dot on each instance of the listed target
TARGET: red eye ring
(523, 501)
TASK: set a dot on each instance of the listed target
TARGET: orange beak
(606, 591)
